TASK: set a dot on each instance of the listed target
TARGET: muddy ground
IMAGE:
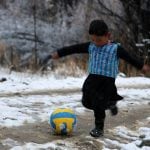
(40, 132)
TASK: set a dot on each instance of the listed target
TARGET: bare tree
(35, 36)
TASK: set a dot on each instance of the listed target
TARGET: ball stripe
(59, 110)
(62, 115)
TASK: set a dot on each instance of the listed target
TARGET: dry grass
(70, 66)
(3, 48)
(75, 65)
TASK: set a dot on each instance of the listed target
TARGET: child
(99, 90)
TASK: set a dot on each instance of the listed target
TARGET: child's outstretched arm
(139, 64)
(78, 48)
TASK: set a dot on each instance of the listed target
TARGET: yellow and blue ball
(63, 121)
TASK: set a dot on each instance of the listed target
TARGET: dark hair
(98, 27)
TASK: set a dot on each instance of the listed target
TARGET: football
(63, 121)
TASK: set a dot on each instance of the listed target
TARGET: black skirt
(99, 92)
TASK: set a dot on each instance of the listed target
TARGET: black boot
(114, 110)
(98, 130)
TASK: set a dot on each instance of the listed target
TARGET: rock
(145, 142)
(3, 79)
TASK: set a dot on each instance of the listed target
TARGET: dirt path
(41, 133)
(27, 92)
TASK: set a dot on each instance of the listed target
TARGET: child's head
(99, 33)
(98, 27)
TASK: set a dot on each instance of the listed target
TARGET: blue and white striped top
(103, 60)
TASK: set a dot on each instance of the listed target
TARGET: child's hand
(45, 60)
(55, 55)
(146, 68)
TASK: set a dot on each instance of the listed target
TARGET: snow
(30, 98)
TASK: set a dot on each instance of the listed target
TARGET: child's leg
(113, 108)
(99, 123)
(99, 118)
